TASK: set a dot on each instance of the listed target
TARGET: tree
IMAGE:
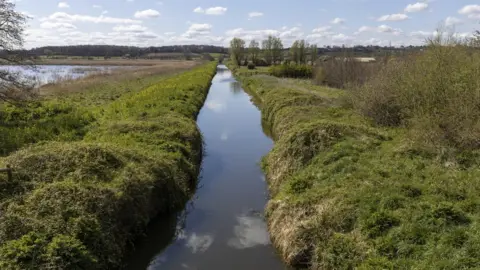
(294, 52)
(13, 85)
(302, 51)
(313, 53)
(254, 50)
(237, 50)
(273, 49)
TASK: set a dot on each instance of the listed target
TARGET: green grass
(78, 205)
(68, 110)
(346, 194)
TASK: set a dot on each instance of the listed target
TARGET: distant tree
(48, 53)
(313, 53)
(302, 51)
(272, 49)
(237, 50)
(13, 85)
(254, 50)
(294, 52)
(277, 50)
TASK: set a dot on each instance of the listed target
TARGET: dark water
(223, 226)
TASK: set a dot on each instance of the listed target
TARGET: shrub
(434, 93)
(291, 71)
(341, 73)
(251, 65)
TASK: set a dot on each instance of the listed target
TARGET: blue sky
(216, 22)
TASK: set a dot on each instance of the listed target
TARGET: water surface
(44, 74)
(223, 226)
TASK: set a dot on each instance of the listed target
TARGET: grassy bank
(67, 109)
(78, 204)
(346, 193)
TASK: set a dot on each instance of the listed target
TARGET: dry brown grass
(115, 77)
(110, 62)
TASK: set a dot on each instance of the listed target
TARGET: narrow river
(222, 227)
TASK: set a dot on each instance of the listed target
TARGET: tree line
(120, 51)
(272, 52)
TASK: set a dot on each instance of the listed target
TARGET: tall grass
(435, 94)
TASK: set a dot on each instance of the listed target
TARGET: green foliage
(347, 194)
(237, 50)
(77, 205)
(251, 66)
(291, 71)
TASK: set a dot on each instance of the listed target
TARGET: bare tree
(13, 85)
(254, 50)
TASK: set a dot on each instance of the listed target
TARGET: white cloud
(255, 14)
(451, 21)
(63, 5)
(146, 14)
(419, 6)
(393, 17)
(469, 9)
(134, 28)
(199, 10)
(57, 25)
(337, 21)
(211, 10)
(66, 17)
(322, 29)
(97, 6)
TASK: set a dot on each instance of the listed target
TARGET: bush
(434, 93)
(261, 63)
(341, 73)
(291, 71)
(251, 65)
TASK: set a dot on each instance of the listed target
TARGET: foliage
(251, 65)
(291, 71)
(272, 49)
(344, 72)
(434, 94)
(78, 205)
(346, 194)
(237, 50)
(254, 50)
(14, 87)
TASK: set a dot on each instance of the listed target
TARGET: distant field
(109, 62)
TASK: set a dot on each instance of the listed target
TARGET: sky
(216, 22)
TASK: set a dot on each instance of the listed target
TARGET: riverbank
(103, 170)
(346, 194)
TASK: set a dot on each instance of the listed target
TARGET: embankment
(347, 195)
(78, 205)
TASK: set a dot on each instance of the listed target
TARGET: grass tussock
(350, 194)
(78, 205)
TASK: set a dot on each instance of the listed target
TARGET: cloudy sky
(216, 22)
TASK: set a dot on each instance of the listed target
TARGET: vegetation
(291, 71)
(78, 204)
(13, 86)
(237, 50)
(383, 176)
(272, 49)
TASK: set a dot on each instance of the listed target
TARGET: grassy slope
(77, 205)
(69, 108)
(345, 194)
